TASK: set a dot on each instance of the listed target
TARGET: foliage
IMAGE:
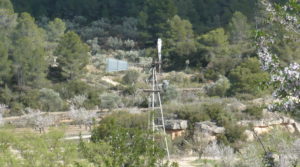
(128, 120)
(55, 30)
(248, 77)
(72, 55)
(38, 120)
(4, 64)
(219, 88)
(279, 143)
(28, 149)
(216, 51)
(153, 18)
(2, 109)
(131, 77)
(110, 101)
(50, 100)
(225, 153)
(284, 79)
(170, 93)
(180, 40)
(110, 141)
(254, 111)
(239, 28)
(81, 116)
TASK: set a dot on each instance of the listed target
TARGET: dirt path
(185, 161)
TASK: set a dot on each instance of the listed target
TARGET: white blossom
(39, 120)
(2, 109)
(82, 116)
(287, 79)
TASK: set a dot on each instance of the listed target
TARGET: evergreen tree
(72, 55)
(247, 77)
(181, 37)
(28, 63)
(55, 30)
(8, 21)
(217, 51)
(180, 40)
(6, 4)
(4, 64)
(27, 28)
(28, 57)
(239, 29)
(153, 19)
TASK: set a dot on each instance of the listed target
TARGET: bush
(218, 114)
(6, 95)
(114, 43)
(92, 99)
(254, 111)
(128, 120)
(50, 100)
(248, 77)
(178, 78)
(131, 77)
(130, 90)
(219, 88)
(169, 94)
(30, 98)
(115, 145)
(16, 108)
(72, 88)
(211, 74)
(110, 101)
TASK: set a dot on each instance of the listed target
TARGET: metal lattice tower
(156, 103)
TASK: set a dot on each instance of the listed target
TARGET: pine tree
(72, 56)
(153, 19)
(4, 64)
(6, 4)
(239, 29)
(28, 54)
(55, 30)
(29, 63)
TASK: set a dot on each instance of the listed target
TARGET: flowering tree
(82, 116)
(2, 108)
(38, 120)
(286, 80)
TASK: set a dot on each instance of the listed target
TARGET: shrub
(218, 114)
(247, 77)
(16, 108)
(72, 88)
(78, 100)
(114, 43)
(30, 98)
(92, 99)
(110, 101)
(115, 145)
(6, 95)
(219, 88)
(131, 77)
(169, 94)
(50, 100)
(178, 77)
(130, 90)
(128, 120)
(254, 111)
(211, 74)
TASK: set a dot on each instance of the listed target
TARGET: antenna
(156, 98)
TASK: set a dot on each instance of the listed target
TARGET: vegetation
(221, 63)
